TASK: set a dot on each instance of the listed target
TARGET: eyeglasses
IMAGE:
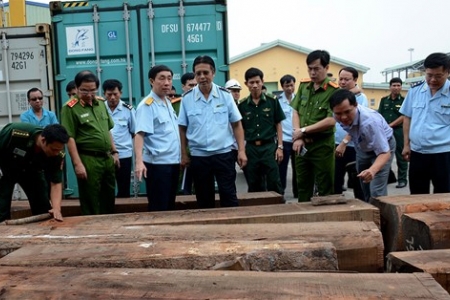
(35, 99)
(86, 92)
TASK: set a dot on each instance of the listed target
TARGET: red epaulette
(72, 102)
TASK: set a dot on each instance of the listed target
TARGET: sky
(373, 33)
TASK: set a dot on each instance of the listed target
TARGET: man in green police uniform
(26, 151)
(313, 126)
(389, 109)
(261, 119)
(91, 146)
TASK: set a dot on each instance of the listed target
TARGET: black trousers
(162, 185)
(340, 164)
(288, 154)
(123, 178)
(222, 168)
(424, 168)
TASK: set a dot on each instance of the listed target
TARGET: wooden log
(354, 210)
(434, 262)
(359, 245)
(393, 207)
(124, 283)
(328, 200)
(427, 230)
(71, 207)
(205, 255)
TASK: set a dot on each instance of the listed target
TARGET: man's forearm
(73, 151)
(56, 195)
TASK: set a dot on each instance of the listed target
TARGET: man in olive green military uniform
(261, 119)
(91, 146)
(389, 109)
(26, 152)
(314, 129)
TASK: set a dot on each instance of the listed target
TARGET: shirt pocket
(162, 125)
(442, 113)
(195, 117)
(220, 115)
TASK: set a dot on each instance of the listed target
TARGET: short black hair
(204, 59)
(340, 95)
(111, 84)
(33, 90)
(55, 133)
(436, 60)
(253, 72)
(323, 55)
(395, 80)
(187, 76)
(86, 76)
(70, 86)
(286, 79)
(158, 69)
(351, 70)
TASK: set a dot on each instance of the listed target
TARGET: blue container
(124, 39)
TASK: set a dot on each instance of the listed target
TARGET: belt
(95, 153)
(261, 142)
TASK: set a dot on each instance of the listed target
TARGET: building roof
(31, 3)
(297, 48)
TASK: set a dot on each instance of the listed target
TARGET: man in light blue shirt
(345, 147)
(123, 115)
(373, 138)
(37, 114)
(204, 121)
(287, 83)
(157, 142)
(426, 128)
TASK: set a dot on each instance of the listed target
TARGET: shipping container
(25, 62)
(124, 39)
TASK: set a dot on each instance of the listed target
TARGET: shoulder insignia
(149, 101)
(305, 80)
(175, 100)
(99, 98)
(72, 102)
(224, 89)
(413, 85)
(187, 92)
(127, 105)
(20, 133)
(333, 84)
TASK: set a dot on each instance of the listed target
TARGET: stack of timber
(71, 207)
(392, 209)
(125, 283)
(434, 262)
(208, 253)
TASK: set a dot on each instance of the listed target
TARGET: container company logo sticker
(80, 40)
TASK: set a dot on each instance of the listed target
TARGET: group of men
(321, 128)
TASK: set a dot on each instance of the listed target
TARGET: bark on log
(328, 200)
(246, 255)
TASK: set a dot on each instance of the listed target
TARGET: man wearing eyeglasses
(426, 128)
(37, 114)
(91, 146)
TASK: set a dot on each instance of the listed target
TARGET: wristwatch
(345, 141)
(280, 147)
(303, 130)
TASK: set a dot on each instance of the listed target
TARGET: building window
(372, 102)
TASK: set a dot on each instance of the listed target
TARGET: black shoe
(400, 185)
